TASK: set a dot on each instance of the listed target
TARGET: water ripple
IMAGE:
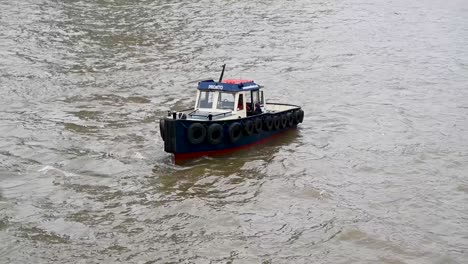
(375, 174)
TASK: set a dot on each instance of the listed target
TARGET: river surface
(377, 173)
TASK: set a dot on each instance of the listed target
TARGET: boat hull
(182, 157)
(180, 140)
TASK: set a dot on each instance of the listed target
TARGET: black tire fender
(268, 122)
(297, 116)
(290, 119)
(248, 127)
(301, 116)
(162, 129)
(196, 133)
(276, 122)
(235, 132)
(258, 125)
(215, 134)
(284, 121)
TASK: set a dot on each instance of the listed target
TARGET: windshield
(206, 100)
(226, 101)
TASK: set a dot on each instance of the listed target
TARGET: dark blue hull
(188, 139)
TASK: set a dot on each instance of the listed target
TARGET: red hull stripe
(193, 155)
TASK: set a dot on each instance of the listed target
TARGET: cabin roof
(228, 85)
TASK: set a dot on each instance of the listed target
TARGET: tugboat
(228, 115)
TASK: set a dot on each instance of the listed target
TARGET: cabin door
(241, 106)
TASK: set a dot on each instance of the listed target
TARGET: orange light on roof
(236, 81)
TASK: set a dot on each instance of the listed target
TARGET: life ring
(196, 133)
(284, 120)
(235, 132)
(162, 129)
(258, 125)
(248, 127)
(214, 134)
(290, 119)
(276, 122)
(268, 122)
(301, 116)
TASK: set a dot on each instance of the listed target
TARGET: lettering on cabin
(215, 87)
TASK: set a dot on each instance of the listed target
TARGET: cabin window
(226, 101)
(206, 100)
(255, 97)
(254, 102)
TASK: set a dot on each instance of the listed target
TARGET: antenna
(222, 73)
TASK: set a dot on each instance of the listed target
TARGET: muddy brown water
(377, 173)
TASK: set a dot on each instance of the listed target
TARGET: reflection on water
(215, 176)
(375, 174)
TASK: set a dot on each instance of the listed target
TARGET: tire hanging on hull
(276, 122)
(214, 134)
(268, 122)
(196, 133)
(284, 121)
(290, 119)
(297, 116)
(301, 116)
(258, 125)
(162, 129)
(235, 132)
(249, 127)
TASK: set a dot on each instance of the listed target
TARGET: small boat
(228, 115)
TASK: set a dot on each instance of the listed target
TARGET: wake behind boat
(228, 115)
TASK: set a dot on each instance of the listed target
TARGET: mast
(222, 73)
